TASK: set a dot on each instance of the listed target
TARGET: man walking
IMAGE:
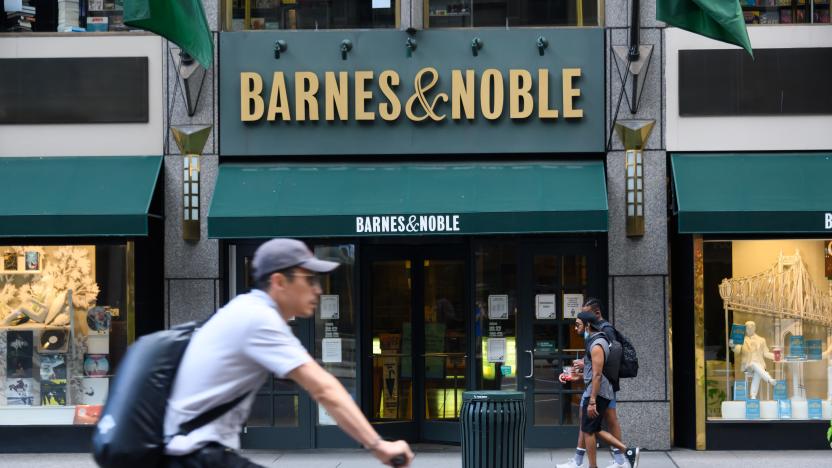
(598, 395)
(235, 352)
(593, 305)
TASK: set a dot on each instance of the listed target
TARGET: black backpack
(612, 361)
(130, 432)
(628, 368)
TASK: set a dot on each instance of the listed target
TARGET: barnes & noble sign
(440, 100)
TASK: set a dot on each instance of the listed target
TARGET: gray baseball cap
(279, 254)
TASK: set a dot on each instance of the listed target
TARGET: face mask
(586, 334)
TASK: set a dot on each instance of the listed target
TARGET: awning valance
(753, 193)
(76, 196)
(337, 200)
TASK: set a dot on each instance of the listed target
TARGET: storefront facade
(80, 227)
(462, 178)
(750, 244)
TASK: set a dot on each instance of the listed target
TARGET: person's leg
(611, 440)
(611, 417)
(589, 440)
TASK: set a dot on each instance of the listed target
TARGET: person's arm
(597, 354)
(328, 391)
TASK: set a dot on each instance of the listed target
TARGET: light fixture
(542, 44)
(634, 135)
(476, 45)
(191, 140)
(279, 46)
(410, 44)
(346, 46)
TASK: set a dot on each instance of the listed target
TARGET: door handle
(531, 364)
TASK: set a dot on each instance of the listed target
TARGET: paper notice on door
(329, 307)
(496, 350)
(498, 307)
(381, 3)
(324, 418)
(331, 350)
(544, 306)
(390, 387)
(572, 305)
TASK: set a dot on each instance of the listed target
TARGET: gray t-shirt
(605, 391)
(231, 355)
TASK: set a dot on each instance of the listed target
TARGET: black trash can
(493, 425)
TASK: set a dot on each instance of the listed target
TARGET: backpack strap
(209, 416)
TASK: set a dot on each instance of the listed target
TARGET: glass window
(244, 15)
(496, 316)
(785, 11)
(512, 13)
(767, 322)
(335, 339)
(63, 16)
(63, 331)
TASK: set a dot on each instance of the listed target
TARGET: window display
(785, 11)
(245, 15)
(61, 331)
(768, 330)
(62, 16)
(514, 13)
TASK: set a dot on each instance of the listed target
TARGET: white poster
(329, 307)
(498, 307)
(324, 418)
(331, 350)
(13, 5)
(94, 390)
(496, 350)
(544, 306)
(381, 3)
(572, 305)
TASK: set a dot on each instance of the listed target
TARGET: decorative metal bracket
(190, 78)
(637, 67)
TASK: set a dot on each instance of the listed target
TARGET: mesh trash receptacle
(493, 425)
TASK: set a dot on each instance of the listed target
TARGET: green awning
(753, 193)
(76, 196)
(256, 200)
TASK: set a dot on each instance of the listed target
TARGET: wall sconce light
(191, 140)
(476, 45)
(346, 46)
(279, 46)
(634, 135)
(542, 44)
(410, 44)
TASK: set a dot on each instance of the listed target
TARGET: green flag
(718, 19)
(179, 21)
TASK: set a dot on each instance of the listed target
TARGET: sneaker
(632, 454)
(571, 464)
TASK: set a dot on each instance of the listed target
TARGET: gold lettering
(362, 95)
(419, 90)
(279, 100)
(521, 104)
(543, 110)
(306, 86)
(251, 85)
(462, 94)
(386, 81)
(569, 93)
(336, 96)
(491, 104)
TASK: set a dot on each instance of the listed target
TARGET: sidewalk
(434, 456)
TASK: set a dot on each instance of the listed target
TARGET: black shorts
(590, 425)
(212, 455)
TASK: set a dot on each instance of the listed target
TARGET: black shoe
(632, 454)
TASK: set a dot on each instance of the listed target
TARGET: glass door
(281, 416)
(553, 283)
(416, 317)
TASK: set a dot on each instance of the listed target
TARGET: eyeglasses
(312, 280)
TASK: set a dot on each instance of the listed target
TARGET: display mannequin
(754, 353)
